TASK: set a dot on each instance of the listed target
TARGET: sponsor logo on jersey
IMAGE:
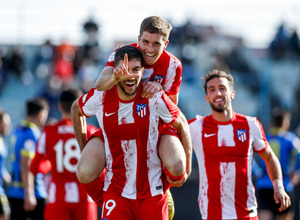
(241, 135)
(141, 110)
(208, 135)
(158, 78)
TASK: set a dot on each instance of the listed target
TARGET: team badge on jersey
(241, 135)
(141, 110)
(158, 78)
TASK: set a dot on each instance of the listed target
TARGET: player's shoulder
(171, 56)
(241, 117)
(196, 120)
(91, 93)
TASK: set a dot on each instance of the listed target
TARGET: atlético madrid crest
(158, 78)
(241, 135)
(141, 110)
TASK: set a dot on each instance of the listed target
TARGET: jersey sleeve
(39, 163)
(111, 59)
(29, 146)
(176, 82)
(165, 108)
(260, 142)
(173, 76)
(90, 102)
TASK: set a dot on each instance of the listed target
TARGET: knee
(80, 174)
(176, 167)
(83, 175)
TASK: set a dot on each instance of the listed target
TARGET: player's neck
(224, 116)
(123, 96)
(66, 116)
(34, 120)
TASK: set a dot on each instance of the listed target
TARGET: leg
(92, 161)
(265, 214)
(172, 155)
(155, 207)
(91, 164)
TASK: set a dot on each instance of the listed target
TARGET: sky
(33, 21)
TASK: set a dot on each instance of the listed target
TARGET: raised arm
(79, 124)
(106, 79)
(274, 171)
(110, 76)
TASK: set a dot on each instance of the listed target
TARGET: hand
(150, 88)
(121, 71)
(283, 198)
(177, 183)
(29, 203)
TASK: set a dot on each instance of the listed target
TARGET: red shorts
(169, 130)
(116, 207)
(71, 211)
(249, 218)
(98, 134)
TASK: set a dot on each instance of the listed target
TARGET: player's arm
(184, 135)
(175, 98)
(110, 76)
(79, 124)
(28, 184)
(274, 171)
(150, 88)
(34, 165)
(106, 79)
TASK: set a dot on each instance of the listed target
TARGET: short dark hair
(217, 73)
(67, 97)
(156, 25)
(131, 51)
(35, 105)
(278, 117)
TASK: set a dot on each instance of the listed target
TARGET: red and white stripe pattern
(224, 152)
(131, 132)
(167, 70)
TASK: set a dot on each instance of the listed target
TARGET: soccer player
(134, 185)
(24, 202)
(67, 200)
(224, 143)
(162, 70)
(286, 146)
(5, 178)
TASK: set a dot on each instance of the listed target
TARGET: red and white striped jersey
(167, 70)
(131, 131)
(224, 152)
(58, 144)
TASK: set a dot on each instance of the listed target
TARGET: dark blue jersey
(23, 143)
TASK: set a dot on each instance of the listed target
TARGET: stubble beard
(126, 93)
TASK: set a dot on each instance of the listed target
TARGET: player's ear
(206, 97)
(232, 95)
(166, 44)
(142, 71)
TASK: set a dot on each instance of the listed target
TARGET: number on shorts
(109, 205)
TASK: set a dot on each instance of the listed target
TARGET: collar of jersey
(223, 123)
(28, 124)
